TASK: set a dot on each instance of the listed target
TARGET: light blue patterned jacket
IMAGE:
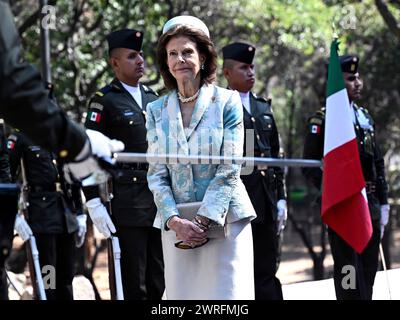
(216, 128)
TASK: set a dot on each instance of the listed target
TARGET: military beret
(349, 63)
(186, 20)
(125, 38)
(239, 51)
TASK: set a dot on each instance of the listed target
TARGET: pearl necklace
(189, 99)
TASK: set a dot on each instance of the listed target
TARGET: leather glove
(22, 227)
(385, 209)
(100, 217)
(85, 164)
(80, 234)
(281, 216)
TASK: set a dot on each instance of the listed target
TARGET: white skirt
(222, 269)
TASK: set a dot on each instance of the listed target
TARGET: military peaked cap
(125, 38)
(239, 51)
(349, 63)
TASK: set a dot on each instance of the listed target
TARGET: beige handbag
(189, 210)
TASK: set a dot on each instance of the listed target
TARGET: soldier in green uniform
(118, 111)
(265, 186)
(372, 163)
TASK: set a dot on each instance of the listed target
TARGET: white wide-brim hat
(186, 20)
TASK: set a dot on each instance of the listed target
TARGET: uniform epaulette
(103, 91)
(149, 90)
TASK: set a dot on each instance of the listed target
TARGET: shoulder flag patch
(316, 129)
(94, 116)
(10, 144)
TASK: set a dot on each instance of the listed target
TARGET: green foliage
(292, 39)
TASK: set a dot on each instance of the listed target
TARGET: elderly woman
(198, 118)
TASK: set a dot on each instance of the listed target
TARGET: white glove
(384, 217)
(80, 234)
(85, 164)
(100, 217)
(282, 215)
(102, 146)
(22, 227)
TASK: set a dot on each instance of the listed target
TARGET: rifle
(113, 248)
(31, 248)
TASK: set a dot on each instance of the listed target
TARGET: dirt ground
(296, 266)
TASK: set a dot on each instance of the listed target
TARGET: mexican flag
(94, 116)
(344, 201)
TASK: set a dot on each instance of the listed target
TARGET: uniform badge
(315, 129)
(316, 121)
(34, 148)
(94, 116)
(96, 105)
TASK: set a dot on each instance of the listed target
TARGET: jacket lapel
(200, 108)
(175, 124)
(253, 105)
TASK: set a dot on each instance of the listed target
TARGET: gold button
(134, 179)
(263, 173)
(5, 252)
(269, 126)
(253, 120)
(37, 155)
(63, 153)
(130, 122)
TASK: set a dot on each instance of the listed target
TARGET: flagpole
(335, 35)
(384, 269)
